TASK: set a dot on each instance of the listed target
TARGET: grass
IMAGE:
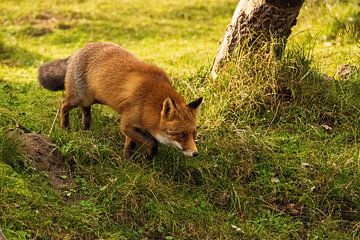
(279, 143)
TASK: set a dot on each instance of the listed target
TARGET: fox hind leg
(66, 106)
(86, 117)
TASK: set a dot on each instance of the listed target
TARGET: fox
(151, 110)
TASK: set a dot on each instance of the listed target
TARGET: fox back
(151, 110)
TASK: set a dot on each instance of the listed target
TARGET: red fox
(151, 110)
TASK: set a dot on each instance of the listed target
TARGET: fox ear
(195, 104)
(169, 109)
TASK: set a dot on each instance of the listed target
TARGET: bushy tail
(52, 75)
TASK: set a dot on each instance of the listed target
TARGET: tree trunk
(257, 21)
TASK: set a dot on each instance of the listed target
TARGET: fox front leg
(153, 149)
(134, 134)
(129, 146)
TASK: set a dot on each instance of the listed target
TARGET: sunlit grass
(278, 139)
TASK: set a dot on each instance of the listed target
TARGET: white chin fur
(165, 140)
(176, 144)
(187, 153)
(161, 139)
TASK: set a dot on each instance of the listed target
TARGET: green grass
(268, 169)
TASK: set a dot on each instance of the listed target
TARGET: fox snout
(190, 153)
(188, 148)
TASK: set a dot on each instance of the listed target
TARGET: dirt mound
(41, 154)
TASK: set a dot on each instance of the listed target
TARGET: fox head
(178, 125)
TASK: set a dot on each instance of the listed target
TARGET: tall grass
(256, 83)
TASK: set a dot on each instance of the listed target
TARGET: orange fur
(151, 110)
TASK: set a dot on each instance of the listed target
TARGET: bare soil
(43, 155)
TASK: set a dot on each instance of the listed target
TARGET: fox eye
(181, 135)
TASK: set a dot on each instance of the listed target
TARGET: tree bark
(256, 22)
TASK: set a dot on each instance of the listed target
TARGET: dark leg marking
(64, 114)
(86, 117)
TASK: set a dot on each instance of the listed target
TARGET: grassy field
(279, 143)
